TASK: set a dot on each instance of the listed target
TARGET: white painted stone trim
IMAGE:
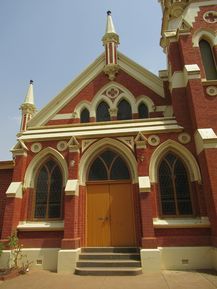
(187, 258)
(67, 260)
(62, 116)
(41, 226)
(94, 149)
(209, 35)
(180, 79)
(182, 151)
(205, 138)
(15, 190)
(72, 188)
(38, 160)
(142, 75)
(144, 184)
(151, 260)
(108, 128)
(202, 222)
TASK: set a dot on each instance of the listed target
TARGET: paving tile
(150, 281)
(165, 280)
(186, 280)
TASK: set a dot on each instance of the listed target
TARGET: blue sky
(52, 41)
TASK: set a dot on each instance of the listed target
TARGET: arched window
(208, 59)
(102, 112)
(108, 166)
(48, 192)
(124, 110)
(85, 116)
(175, 193)
(143, 110)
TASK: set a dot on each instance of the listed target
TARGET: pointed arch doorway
(110, 206)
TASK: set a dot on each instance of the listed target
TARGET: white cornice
(135, 70)
(103, 129)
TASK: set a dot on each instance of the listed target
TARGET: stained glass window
(102, 112)
(124, 110)
(175, 194)
(48, 192)
(108, 166)
(208, 60)
(85, 115)
(143, 110)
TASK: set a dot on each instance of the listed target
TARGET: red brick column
(14, 198)
(208, 160)
(148, 234)
(71, 200)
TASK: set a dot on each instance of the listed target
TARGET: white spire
(110, 28)
(30, 96)
(110, 41)
(28, 107)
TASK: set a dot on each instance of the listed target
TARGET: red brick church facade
(122, 157)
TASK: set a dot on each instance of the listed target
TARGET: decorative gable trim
(19, 149)
(50, 111)
(56, 104)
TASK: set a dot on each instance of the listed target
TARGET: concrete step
(109, 256)
(110, 250)
(98, 271)
(109, 263)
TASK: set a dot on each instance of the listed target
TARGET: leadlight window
(208, 60)
(85, 116)
(143, 110)
(102, 112)
(124, 110)
(48, 192)
(108, 166)
(175, 193)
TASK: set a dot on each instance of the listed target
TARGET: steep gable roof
(69, 92)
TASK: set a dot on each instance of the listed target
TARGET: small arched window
(208, 59)
(85, 116)
(175, 193)
(143, 110)
(108, 166)
(124, 110)
(48, 192)
(102, 112)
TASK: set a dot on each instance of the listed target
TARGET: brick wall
(5, 180)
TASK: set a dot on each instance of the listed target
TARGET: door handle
(103, 219)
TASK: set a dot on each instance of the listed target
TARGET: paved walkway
(165, 280)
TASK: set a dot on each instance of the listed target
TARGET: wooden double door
(110, 214)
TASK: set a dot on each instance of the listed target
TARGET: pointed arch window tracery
(108, 166)
(143, 110)
(102, 112)
(124, 110)
(48, 191)
(174, 187)
(85, 115)
(208, 59)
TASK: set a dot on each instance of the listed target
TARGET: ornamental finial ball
(109, 12)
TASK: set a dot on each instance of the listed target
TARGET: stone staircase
(109, 261)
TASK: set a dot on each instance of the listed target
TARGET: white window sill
(41, 226)
(202, 222)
